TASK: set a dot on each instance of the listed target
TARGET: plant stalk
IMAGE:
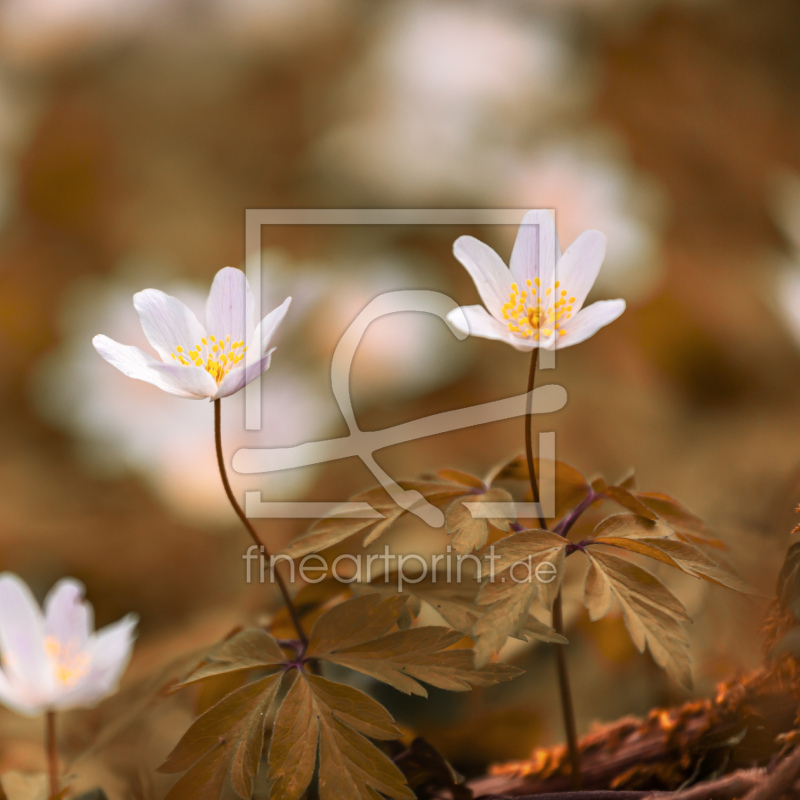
(51, 748)
(567, 708)
(249, 526)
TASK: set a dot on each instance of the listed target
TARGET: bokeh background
(133, 137)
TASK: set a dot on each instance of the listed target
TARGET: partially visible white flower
(39, 29)
(441, 84)
(56, 661)
(198, 362)
(787, 215)
(539, 301)
(590, 185)
(401, 356)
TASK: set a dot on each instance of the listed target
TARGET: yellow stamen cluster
(533, 313)
(217, 356)
(68, 661)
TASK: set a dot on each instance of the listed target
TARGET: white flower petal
(579, 266)
(480, 323)
(167, 322)
(230, 306)
(589, 321)
(67, 616)
(242, 375)
(187, 381)
(24, 659)
(265, 330)
(535, 250)
(109, 652)
(16, 701)
(486, 268)
(134, 363)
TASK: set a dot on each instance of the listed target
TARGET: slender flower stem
(250, 529)
(51, 746)
(567, 708)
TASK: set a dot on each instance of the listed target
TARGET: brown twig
(730, 786)
(779, 781)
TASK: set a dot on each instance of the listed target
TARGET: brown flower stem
(250, 529)
(51, 747)
(567, 708)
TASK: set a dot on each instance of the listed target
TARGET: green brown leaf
(631, 532)
(505, 616)
(518, 557)
(688, 526)
(226, 740)
(404, 658)
(471, 533)
(361, 619)
(252, 648)
(627, 499)
(464, 478)
(456, 604)
(653, 616)
(320, 715)
(571, 486)
(333, 530)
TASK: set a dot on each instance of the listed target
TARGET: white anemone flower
(54, 660)
(539, 301)
(197, 362)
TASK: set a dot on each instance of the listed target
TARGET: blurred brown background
(134, 136)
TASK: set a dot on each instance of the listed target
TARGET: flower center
(217, 356)
(68, 661)
(533, 313)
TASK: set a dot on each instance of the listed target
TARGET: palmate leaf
(401, 658)
(657, 540)
(513, 584)
(224, 743)
(455, 602)
(627, 499)
(653, 616)
(570, 486)
(333, 530)
(471, 533)
(327, 723)
(686, 525)
(249, 649)
(505, 616)
(320, 727)
(518, 557)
